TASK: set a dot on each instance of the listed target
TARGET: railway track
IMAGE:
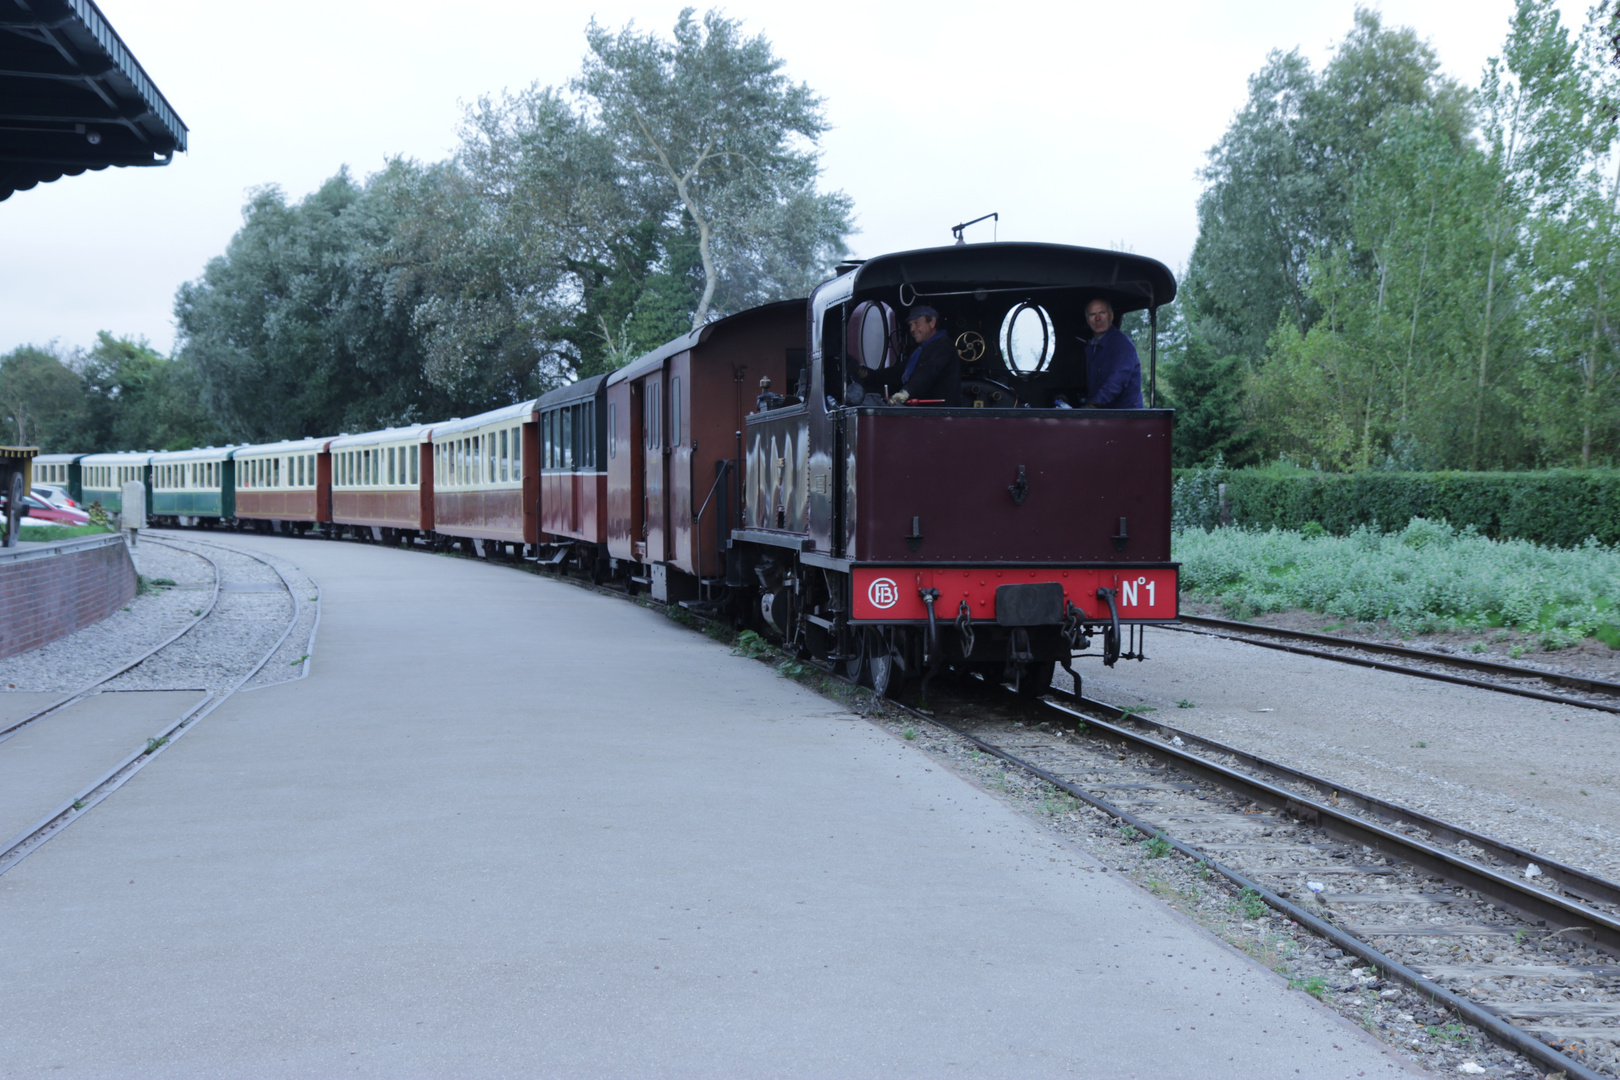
(1416, 899)
(1421, 663)
(172, 664)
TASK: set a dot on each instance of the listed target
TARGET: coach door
(654, 470)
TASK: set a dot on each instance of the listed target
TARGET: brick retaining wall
(49, 590)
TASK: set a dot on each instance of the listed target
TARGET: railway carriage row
(740, 468)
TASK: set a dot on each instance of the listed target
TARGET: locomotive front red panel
(892, 593)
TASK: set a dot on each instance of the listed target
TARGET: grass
(1250, 904)
(1427, 577)
(1157, 847)
(59, 532)
(1456, 1034)
(909, 733)
(1185, 704)
(1314, 985)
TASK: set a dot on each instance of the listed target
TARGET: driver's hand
(900, 398)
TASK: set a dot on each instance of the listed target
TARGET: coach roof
(648, 361)
(583, 390)
(522, 412)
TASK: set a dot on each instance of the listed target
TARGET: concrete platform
(51, 760)
(511, 828)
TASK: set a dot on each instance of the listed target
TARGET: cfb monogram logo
(883, 593)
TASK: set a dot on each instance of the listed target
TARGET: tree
(137, 398)
(1571, 379)
(710, 115)
(41, 399)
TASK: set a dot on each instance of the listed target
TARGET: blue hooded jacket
(1113, 372)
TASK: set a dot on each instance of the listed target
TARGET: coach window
(506, 459)
(613, 428)
(675, 411)
(415, 452)
(567, 439)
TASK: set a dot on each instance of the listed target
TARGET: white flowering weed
(1427, 577)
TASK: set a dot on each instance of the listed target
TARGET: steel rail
(1565, 915)
(36, 835)
(1236, 631)
(12, 729)
(1503, 1032)
(1582, 883)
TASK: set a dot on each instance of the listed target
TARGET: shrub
(1558, 508)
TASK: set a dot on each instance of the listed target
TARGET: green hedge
(1559, 508)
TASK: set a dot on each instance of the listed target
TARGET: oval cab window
(870, 338)
(1027, 340)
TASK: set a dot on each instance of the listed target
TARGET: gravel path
(1545, 777)
(252, 612)
(70, 662)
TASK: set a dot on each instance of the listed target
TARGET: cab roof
(1131, 282)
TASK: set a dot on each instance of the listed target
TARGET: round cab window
(1027, 340)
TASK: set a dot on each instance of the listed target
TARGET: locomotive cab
(1002, 536)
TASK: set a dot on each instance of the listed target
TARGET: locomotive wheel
(885, 663)
(1036, 678)
(855, 662)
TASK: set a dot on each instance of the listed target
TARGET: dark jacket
(1113, 373)
(935, 371)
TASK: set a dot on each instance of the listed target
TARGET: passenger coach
(573, 476)
(382, 483)
(63, 471)
(103, 476)
(193, 487)
(486, 478)
(283, 486)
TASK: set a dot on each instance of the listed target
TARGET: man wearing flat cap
(931, 372)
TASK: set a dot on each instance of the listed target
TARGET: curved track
(31, 838)
(1598, 693)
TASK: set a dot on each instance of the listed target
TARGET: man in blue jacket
(932, 372)
(1113, 373)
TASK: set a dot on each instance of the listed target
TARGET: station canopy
(73, 97)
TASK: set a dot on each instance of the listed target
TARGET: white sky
(1080, 123)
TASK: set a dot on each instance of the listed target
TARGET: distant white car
(54, 495)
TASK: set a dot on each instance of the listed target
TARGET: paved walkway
(511, 828)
